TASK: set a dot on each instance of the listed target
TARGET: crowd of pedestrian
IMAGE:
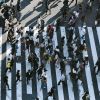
(76, 46)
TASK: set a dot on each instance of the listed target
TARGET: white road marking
(68, 69)
(0, 57)
(58, 72)
(87, 68)
(19, 83)
(8, 92)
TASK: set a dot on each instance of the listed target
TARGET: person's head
(31, 27)
(63, 37)
(86, 93)
(39, 17)
(18, 70)
(29, 70)
(6, 76)
(8, 59)
(53, 87)
(98, 58)
(57, 47)
(37, 98)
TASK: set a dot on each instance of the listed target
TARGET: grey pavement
(29, 16)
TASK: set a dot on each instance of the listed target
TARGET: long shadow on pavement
(24, 3)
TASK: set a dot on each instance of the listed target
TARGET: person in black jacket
(47, 7)
(51, 92)
(28, 76)
(18, 76)
(97, 65)
(6, 14)
(36, 98)
(85, 96)
(18, 5)
(62, 66)
(5, 79)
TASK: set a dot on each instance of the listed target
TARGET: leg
(7, 86)
(6, 70)
(76, 2)
(59, 82)
(17, 80)
(27, 81)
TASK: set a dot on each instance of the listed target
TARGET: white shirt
(63, 77)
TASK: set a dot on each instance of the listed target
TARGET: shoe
(96, 73)
(9, 89)
(58, 83)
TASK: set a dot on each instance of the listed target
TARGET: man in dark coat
(51, 92)
(97, 65)
(28, 76)
(85, 96)
(18, 5)
(18, 75)
(6, 81)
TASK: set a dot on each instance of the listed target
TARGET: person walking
(18, 76)
(85, 96)
(97, 66)
(6, 81)
(62, 80)
(9, 65)
(18, 5)
(51, 92)
(47, 7)
(36, 98)
(18, 10)
(28, 76)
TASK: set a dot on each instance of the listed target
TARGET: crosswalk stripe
(49, 80)
(0, 57)
(58, 73)
(67, 68)
(18, 51)
(97, 45)
(53, 73)
(92, 43)
(37, 51)
(23, 66)
(82, 32)
(98, 33)
(89, 78)
(28, 65)
(3, 64)
(9, 74)
(48, 67)
(43, 83)
(18, 67)
(93, 49)
(19, 84)
(39, 90)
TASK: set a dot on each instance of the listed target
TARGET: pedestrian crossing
(87, 70)
(8, 52)
(69, 91)
(0, 57)
(68, 69)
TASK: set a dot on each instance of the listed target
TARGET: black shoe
(58, 83)
(96, 73)
(9, 89)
